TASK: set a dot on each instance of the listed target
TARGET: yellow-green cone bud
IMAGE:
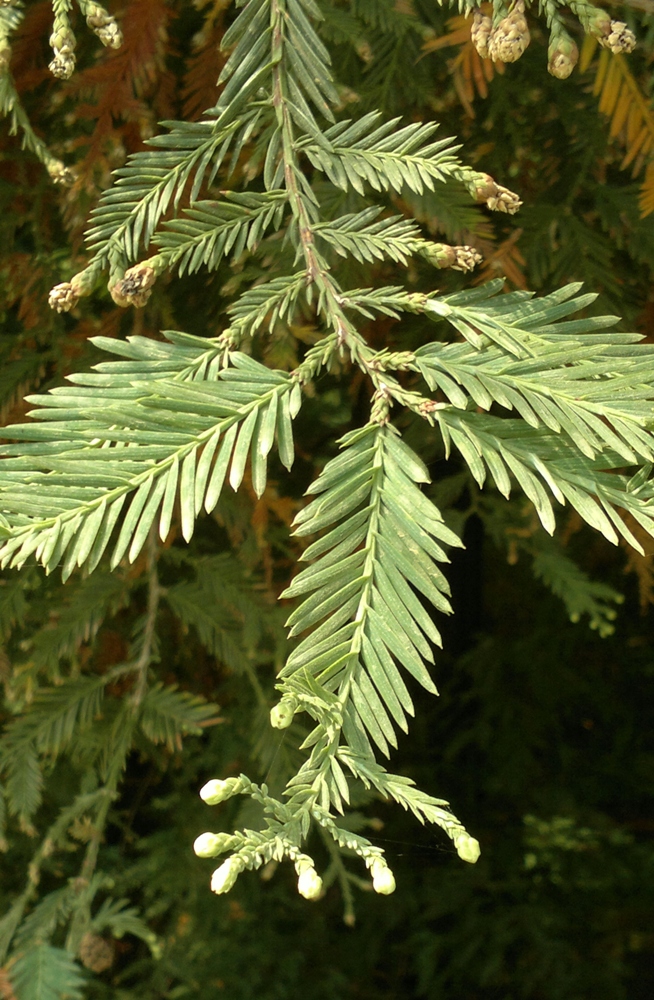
(511, 37)
(210, 845)
(467, 847)
(383, 880)
(281, 714)
(562, 57)
(480, 33)
(309, 883)
(224, 877)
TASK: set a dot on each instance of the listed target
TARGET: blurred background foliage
(542, 735)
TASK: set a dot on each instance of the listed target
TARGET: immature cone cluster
(465, 258)
(497, 197)
(103, 25)
(458, 258)
(135, 287)
(619, 38)
(62, 41)
(5, 58)
(60, 173)
(510, 38)
(562, 56)
(613, 35)
(64, 297)
(482, 26)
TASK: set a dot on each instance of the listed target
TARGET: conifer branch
(114, 454)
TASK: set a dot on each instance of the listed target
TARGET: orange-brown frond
(123, 94)
(646, 200)
(503, 261)
(199, 88)
(470, 73)
(630, 112)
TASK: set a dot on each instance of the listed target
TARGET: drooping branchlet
(102, 24)
(62, 41)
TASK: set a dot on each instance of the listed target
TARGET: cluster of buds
(59, 172)
(64, 297)
(62, 41)
(309, 882)
(620, 38)
(562, 53)
(102, 24)
(281, 715)
(613, 35)
(510, 37)
(499, 199)
(135, 287)
(224, 877)
(216, 791)
(210, 845)
(482, 26)
(383, 880)
(466, 846)
(458, 258)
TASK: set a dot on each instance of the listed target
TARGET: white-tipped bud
(281, 714)
(383, 880)
(309, 883)
(210, 845)
(224, 877)
(467, 847)
(216, 791)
